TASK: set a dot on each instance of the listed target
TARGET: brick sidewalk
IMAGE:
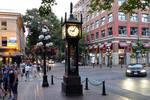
(34, 91)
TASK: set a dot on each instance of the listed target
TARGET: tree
(34, 23)
(46, 7)
(128, 7)
(138, 49)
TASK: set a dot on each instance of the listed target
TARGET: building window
(120, 2)
(96, 36)
(87, 8)
(83, 29)
(97, 24)
(83, 1)
(134, 18)
(109, 31)
(92, 37)
(134, 31)
(87, 18)
(122, 30)
(121, 16)
(145, 31)
(96, 12)
(92, 16)
(87, 28)
(145, 18)
(103, 34)
(87, 38)
(4, 41)
(110, 17)
(92, 26)
(4, 25)
(102, 21)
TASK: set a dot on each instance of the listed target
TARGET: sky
(21, 6)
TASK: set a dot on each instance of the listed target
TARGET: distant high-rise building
(116, 30)
(12, 38)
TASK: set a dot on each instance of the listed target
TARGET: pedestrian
(34, 69)
(93, 61)
(6, 75)
(2, 90)
(27, 71)
(13, 81)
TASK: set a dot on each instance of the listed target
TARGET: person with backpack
(2, 90)
(13, 81)
(6, 76)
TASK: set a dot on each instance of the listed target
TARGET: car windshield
(135, 66)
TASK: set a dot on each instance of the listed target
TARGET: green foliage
(82, 43)
(128, 7)
(34, 23)
(139, 48)
(46, 7)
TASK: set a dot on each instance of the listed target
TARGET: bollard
(103, 89)
(52, 82)
(86, 84)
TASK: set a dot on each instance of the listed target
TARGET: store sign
(12, 41)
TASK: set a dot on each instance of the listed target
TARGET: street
(118, 86)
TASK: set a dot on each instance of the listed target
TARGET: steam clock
(71, 33)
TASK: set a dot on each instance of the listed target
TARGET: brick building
(12, 38)
(116, 30)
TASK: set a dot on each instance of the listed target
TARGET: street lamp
(44, 42)
(108, 52)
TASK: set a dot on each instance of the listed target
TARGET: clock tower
(71, 34)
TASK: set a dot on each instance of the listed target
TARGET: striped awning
(95, 46)
(108, 45)
(133, 44)
(146, 45)
(123, 44)
(101, 46)
(91, 47)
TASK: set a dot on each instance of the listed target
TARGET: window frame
(123, 30)
(134, 30)
(122, 16)
(146, 33)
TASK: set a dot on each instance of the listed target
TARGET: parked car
(136, 70)
(51, 61)
(63, 61)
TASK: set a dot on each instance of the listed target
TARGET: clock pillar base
(71, 85)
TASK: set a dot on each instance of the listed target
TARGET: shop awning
(108, 45)
(123, 44)
(95, 46)
(133, 44)
(101, 46)
(146, 45)
(91, 47)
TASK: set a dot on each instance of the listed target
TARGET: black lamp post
(108, 52)
(44, 38)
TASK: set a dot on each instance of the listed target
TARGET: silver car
(136, 70)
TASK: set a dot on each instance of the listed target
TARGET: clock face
(73, 31)
(64, 31)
